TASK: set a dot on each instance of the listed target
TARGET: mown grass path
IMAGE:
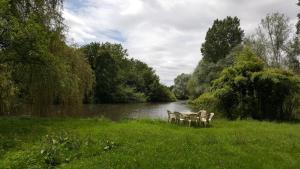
(98, 143)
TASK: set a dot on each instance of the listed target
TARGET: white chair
(179, 118)
(211, 115)
(193, 118)
(208, 119)
(203, 117)
(171, 117)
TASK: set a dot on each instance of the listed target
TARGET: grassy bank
(97, 143)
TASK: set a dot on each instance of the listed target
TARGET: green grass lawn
(101, 144)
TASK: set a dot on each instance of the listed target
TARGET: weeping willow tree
(8, 90)
(45, 70)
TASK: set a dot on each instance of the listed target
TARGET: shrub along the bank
(248, 89)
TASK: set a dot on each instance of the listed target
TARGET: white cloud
(166, 34)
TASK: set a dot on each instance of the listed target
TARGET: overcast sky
(165, 34)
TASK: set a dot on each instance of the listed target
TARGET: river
(117, 112)
(137, 111)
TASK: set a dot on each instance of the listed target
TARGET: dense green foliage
(221, 38)
(96, 143)
(42, 68)
(206, 72)
(247, 89)
(180, 87)
(119, 79)
(293, 62)
(256, 79)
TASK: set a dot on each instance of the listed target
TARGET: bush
(276, 94)
(129, 95)
(207, 101)
(60, 148)
(206, 72)
(180, 86)
(247, 89)
(234, 87)
(161, 93)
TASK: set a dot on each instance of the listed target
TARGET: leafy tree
(221, 38)
(25, 43)
(234, 87)
(78, 80)
(180, 86)
(274, 34)
(293, 62)
(257, 45)
(206, 72)
(161, 93)
(277, 94)
(45, 70)
(294, 50)
(106, 60)
(249, 89)
(117, 79)
(275, 43)
(106, 70)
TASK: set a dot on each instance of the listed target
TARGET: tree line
(240, 77)
(120, 79)
(39, 69)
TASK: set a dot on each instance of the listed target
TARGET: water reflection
(121, 111)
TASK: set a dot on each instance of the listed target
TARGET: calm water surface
(124, 111)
